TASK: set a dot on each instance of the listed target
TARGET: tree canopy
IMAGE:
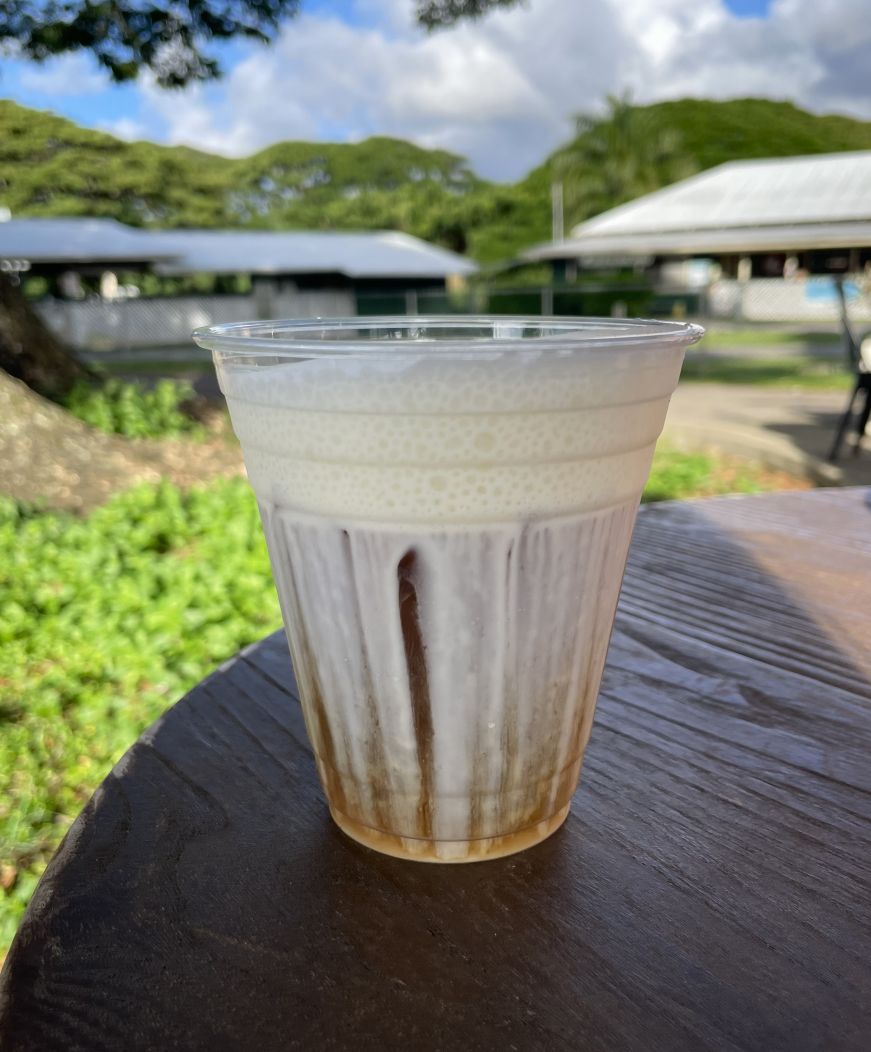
(51, 167)
(619, 157)
(127, 36)
(436, 14)
(173, 40)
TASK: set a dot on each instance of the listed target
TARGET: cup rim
(395, 336)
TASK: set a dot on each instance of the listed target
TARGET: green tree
(171, 40)
(617, 158)
(436, 14)
(128, 36)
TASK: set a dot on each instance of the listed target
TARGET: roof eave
(715, 242)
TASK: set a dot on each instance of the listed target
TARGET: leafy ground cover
(104, 621)
(134, 410)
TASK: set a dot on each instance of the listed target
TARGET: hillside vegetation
(50, 166)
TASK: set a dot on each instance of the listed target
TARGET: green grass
(107, 620)
(760, 337)
(676, 476)
(809, 373)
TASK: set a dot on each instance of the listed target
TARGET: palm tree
(617, 158)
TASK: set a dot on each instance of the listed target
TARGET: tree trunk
(30, 352)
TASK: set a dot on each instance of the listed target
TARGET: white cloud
(814, 52)
(834, 36)
(502, 90)
(73, 74)
(125, 128)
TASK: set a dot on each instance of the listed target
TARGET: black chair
(862, 384)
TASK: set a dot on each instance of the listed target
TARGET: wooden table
(711, 889)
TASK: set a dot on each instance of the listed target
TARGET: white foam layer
(424, 439)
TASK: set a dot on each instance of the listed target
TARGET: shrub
(135, 411)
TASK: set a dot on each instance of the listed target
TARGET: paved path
(786, 429)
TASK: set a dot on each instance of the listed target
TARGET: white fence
(787, 299)
(100, 325)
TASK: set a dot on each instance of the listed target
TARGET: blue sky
(501, 91)
(749, 8)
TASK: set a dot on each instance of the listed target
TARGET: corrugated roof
(382, 254)
(830, 188)
(76, 240)
(698, 242)
(822, 201)
(358, 255)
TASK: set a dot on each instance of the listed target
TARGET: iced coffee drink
(448, 505)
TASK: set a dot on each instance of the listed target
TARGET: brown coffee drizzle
(518, 789)
(480, 790)
(376, 760)
(325, 750)
(418, 686)
(314, 707)
(507, 776)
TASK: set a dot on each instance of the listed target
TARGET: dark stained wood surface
(710, 890)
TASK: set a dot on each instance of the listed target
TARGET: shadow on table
(702, 894)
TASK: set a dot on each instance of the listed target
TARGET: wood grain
(710, 889)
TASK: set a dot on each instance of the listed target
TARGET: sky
(501, 91)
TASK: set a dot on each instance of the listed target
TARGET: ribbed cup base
(480, 850)
(449, 675)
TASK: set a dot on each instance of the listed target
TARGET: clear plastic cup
(448, 505)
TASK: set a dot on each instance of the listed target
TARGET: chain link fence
(103, 325)
(809, 299)
(107, 325)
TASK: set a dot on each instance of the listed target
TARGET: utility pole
(556, 203)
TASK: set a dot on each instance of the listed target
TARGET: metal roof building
(77, 242)
(80, 243)
(363, 255)
(778, 205)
